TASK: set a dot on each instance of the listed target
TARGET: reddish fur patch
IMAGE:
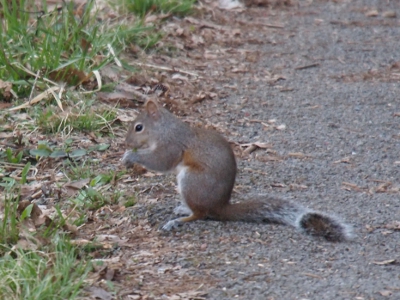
(190, 161)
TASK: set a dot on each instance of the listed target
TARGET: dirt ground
(317, 83)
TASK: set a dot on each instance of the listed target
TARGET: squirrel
(205, 168)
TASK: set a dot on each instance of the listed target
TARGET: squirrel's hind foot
(172, 224)
(317, 224)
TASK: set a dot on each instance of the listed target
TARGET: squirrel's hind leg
(183, 210)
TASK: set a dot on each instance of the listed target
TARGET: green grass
(83, 118)
(12, 157)
(8, 225)
(79, 170)
(174, 7)
(37, 50)
(148, 40)
(98, 192)
(130, 201)
(48, 270)
(43, 264)
(51, 273)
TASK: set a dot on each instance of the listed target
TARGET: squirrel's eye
(138, 127)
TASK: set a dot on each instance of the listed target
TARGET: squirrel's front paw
(127, 159)
(172, 224)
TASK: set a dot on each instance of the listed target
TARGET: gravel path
(338, 98)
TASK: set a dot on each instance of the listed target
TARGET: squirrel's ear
(152, 109)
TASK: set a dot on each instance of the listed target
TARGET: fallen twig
(307, 66)
(167, 69)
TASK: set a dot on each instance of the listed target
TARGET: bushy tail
(318, 224)
(272, 210)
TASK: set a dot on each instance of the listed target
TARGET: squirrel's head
(143, 131)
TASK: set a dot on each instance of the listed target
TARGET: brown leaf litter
(389, 73)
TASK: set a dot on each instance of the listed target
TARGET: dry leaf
(156, 17)
(5, 135)
(280, 185)
(351, 186)
(72, 188)
(4, 105)
(239, 70)
(77, 185)
(343, 160)
(5, 85)
(389, 14)
(383, 187)
(25, 245)
(178, 76)
(294, 186)
(197, 40)
(124, 99)
(27, 190)
(272, 3)
(42, 220)
(206, 24)
(254, 146)
(385, 293)
(109, 274)
(36, 211)
(111, 260)
(384, 262)
(125, 118)
(99, 293)
(395, 225)
(38, 98)
(372, 13)
(69, 75)
(72, 229)
(262, 145)
(210, 55)
(250, 149)
(312, 275)
(298, 155)
(229, 4)
(111, 238)
(268, 158)
(149, 174)
(6, 90)
(191, 295)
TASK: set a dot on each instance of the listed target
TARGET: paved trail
(339, 98)
(342, 110)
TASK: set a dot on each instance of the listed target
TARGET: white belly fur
(180, 171)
